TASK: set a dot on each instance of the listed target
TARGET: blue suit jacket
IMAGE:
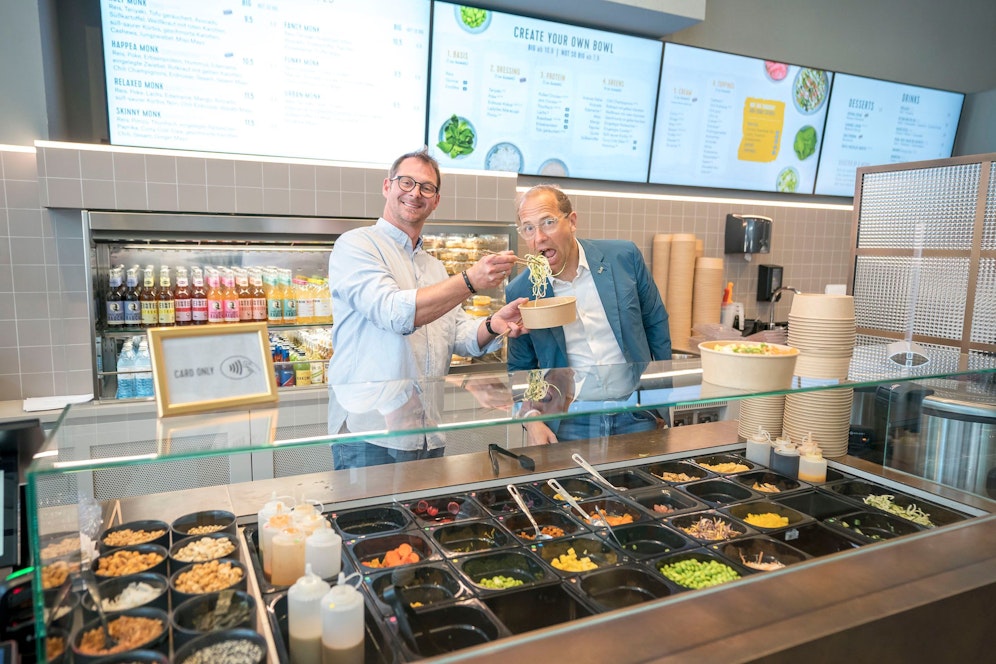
(632, 304)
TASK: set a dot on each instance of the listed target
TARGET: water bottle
(143, 382)
(126, 381)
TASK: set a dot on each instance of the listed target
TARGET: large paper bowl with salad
(748, 365)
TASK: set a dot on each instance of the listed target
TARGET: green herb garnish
(472, 16)
(458, 137)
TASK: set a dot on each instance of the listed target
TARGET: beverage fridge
(152, 269)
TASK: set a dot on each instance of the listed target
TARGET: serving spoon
(580, 460)
(520, 501)
(90, 583)
(569, 499)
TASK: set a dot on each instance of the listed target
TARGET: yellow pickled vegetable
(767, 520)
(569, 562)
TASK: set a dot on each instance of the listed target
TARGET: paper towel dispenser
(747, 234)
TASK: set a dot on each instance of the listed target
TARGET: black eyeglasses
(406, 183)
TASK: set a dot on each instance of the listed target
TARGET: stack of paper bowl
(825, 416)
(822, 328)
(761, 412)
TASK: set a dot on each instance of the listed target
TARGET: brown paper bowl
(548, 312)
(748, 371)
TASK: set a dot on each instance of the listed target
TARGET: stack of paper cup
(659, 259)
(707, 293)
(680, 280)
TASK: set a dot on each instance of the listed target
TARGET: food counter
(846, 587)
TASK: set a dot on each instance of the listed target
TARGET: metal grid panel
(882, 291)
(989, 231)
(943, 198)
(179, 475)
(984, 313)
(871, 362)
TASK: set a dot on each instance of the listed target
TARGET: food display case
(640, 562)
(289, 258)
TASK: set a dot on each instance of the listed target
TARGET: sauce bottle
(182, 304)
(287, 552)
(198, 298)
(323, 552)
(164, 299)
(267, 532)
(342, 624)
(786, 461)
(759, 447)
(812, 465)
(149, 298)
(304, 617)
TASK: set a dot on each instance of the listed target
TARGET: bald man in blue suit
(622, 323)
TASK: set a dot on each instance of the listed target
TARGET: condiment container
(785, 460)
(288, 556)
(323, 553)
(311, 522)
(812, 465)
(342, 623)
(759, 447)
(304, 617)
(306, 509)
(780, 440)
(275, 505)
(267, 531)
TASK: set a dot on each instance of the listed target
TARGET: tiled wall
(44, 325)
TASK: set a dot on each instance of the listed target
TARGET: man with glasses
(398, 321)
(621, 323)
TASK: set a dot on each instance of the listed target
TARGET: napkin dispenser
(747, 234)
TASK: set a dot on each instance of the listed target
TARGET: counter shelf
(100, 445)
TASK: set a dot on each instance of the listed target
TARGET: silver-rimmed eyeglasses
(406, 183)
(528, 229)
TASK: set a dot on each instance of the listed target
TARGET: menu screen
(874, 122)
(735, 122)
(520, 94)
(329, 79)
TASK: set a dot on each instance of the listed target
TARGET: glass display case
(151, 270)
(618, 564)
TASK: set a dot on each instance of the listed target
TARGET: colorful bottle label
(275, 310)
(150, 313)
(245, 308)
(199, 309)
(259, 308)
(184, 311)
(216, 311)
(167, 312)
(115, 313)
(133, 313)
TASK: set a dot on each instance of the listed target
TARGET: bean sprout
(539, 272)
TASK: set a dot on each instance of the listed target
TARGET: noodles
(538, 388)
(539, 272)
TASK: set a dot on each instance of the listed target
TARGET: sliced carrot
(404, 549)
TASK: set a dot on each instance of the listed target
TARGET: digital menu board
(343, 80)
(735, 122)
(522, 94)
(872, 122)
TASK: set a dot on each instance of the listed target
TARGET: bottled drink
(144, 386)
(114, 299)
(182, 303)
(258, 295)
(323, 301)
(230, 297)
(245, 295)
(126, 380)
(215, 298)
(132, 304)
(164, 298)
(305, 301)
(290, 297)
(149, 298)
(198, 298)
(274, 296)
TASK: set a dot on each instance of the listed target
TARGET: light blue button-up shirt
(374, 273)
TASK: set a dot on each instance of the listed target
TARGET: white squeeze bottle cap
(759, 447)
(304, 617)
(342, 616)
(275, 505)
(323, 552)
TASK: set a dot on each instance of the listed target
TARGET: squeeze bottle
(786, 461)
(287, 553)
(342, 624)
(812, 465)
(323, 552)
(759, 447)
(304, 618)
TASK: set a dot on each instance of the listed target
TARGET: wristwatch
(487, 326)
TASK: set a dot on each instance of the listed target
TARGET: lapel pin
(601, 269)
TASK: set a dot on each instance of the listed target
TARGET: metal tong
(90, 584)
(526, 462)
(520, 501)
